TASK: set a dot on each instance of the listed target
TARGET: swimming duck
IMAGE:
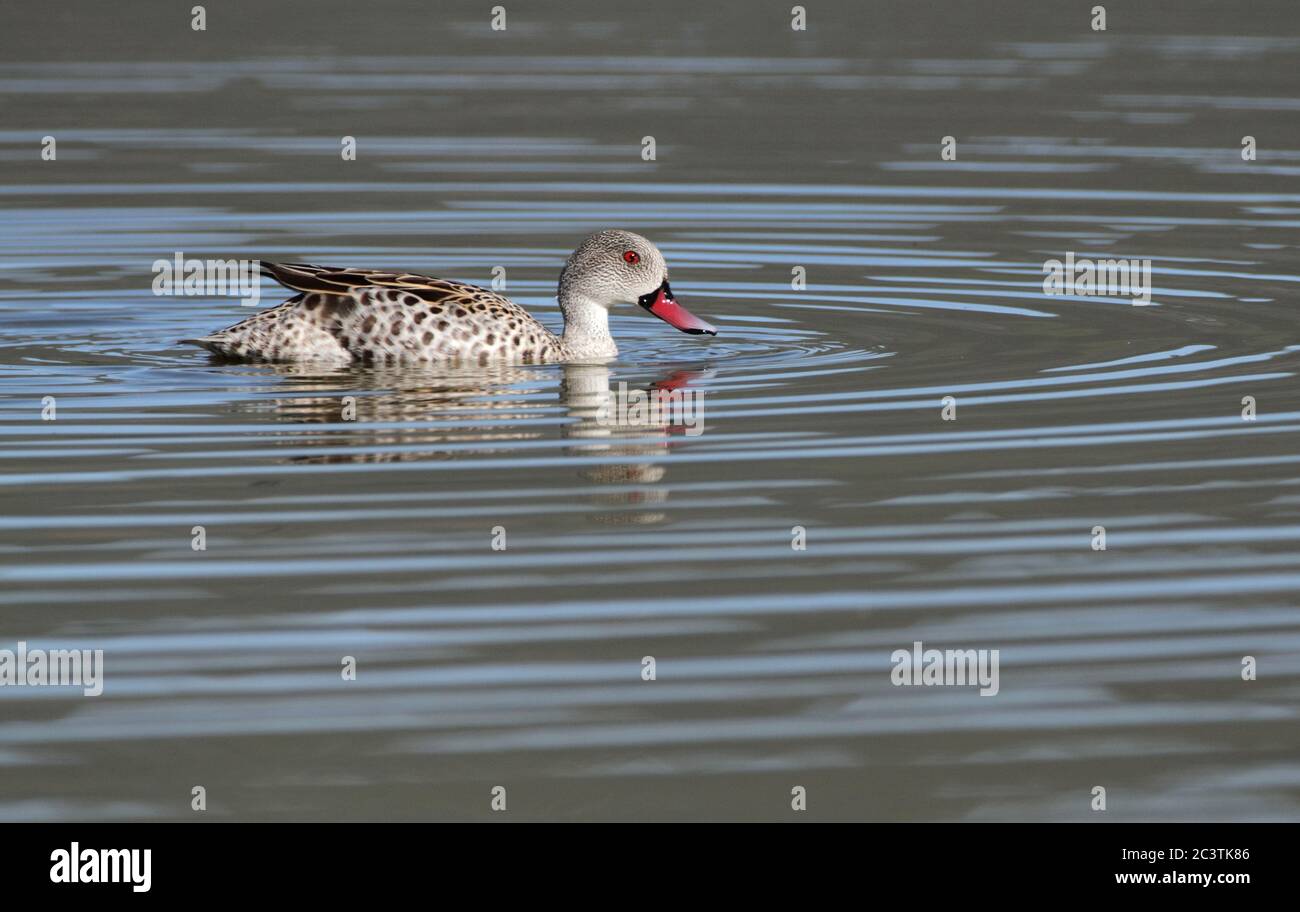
(370, 316)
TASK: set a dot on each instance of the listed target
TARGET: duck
(371, 316)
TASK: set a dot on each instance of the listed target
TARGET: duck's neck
(586, 328)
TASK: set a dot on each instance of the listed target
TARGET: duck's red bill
(663, 305)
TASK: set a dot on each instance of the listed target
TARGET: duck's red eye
(631, 257)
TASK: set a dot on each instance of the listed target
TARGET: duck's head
(619, 267)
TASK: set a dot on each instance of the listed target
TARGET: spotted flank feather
(369, 316)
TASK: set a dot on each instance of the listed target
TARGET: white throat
(586, 328)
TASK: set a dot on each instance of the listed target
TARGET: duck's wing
(358, 283)
(375, 287)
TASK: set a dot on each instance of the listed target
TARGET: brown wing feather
(325, 280)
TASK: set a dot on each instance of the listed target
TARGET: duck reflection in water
(619, 434)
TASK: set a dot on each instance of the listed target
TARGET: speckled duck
(368, 316)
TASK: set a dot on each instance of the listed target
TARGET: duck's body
(370, 316)
(345, 315)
